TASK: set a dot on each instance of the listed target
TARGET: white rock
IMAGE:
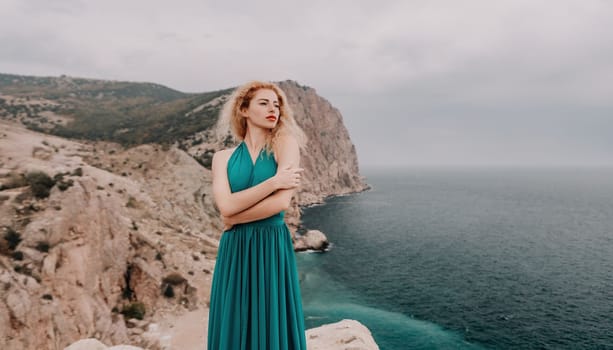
(346, 334)
(19, 303)
(95, 344)
(87, 344)
(124, 347)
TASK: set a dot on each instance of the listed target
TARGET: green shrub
(174, 279)
(40, 183)
(206, 158)
(24, 270)
(196, 142)
(12, 237)
(64, 185)
(77, 172)
(43, 246)
(168, 291)
(132, 203)
(17, 255)
(134, 310)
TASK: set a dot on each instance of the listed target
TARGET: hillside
(123, 112)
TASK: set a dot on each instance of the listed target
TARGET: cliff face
(127, 232)
(330, 160)
(135, 226)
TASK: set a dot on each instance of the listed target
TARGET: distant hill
(125, 112)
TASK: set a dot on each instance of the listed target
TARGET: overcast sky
(447, 82)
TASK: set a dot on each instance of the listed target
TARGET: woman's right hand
(227, 223)
(287, 178)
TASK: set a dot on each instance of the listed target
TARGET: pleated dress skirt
(255, 293)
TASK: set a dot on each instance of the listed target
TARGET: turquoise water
(468, 259)
(326, 301)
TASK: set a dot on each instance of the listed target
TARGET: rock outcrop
(135, 233)
(330, 160)
(311, 240)
(94, 344)
(345, 335)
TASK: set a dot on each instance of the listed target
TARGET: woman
(255, 295)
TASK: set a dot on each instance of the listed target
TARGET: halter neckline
(257, 157)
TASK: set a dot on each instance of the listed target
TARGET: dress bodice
(244, 173)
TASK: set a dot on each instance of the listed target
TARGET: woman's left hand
(227, 223)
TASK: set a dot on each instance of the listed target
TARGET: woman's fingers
(226, 223)
(289, 177)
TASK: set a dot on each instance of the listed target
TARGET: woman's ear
(243, 112)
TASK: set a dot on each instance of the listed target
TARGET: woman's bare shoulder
(287, 150)
(223, 155)
(226, 151)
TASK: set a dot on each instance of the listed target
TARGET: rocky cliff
(122, 234)
(117, 242)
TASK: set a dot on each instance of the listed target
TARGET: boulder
(311, 240)
(95, 344)
(346, 334)
(87, 344)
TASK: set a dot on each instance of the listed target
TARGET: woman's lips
(271, 118)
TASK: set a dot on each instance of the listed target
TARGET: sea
(468, 258)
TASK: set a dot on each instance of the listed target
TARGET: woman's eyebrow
(265, 99)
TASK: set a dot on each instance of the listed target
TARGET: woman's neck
(255, 137)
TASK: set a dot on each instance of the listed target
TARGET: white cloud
(414, 62)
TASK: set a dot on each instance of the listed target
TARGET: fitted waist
(274, 220)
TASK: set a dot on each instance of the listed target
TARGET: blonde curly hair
(241, 97)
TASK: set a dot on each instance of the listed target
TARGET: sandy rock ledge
(343, 335)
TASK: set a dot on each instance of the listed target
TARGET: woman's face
(263, 110)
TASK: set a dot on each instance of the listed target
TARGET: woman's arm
(231, 203)
(288, 155)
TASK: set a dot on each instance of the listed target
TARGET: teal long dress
(255, 294)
